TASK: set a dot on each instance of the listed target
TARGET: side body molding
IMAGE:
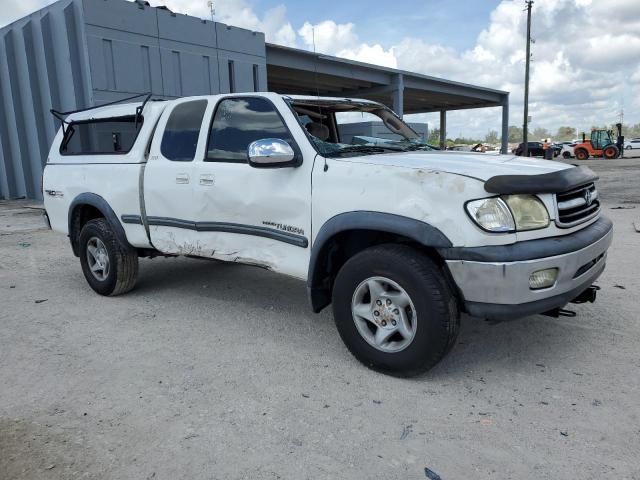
(363, 220)
(100, 204)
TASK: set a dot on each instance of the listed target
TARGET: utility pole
(525, 135)
(212, 9)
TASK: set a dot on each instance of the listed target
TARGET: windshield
(348, 128)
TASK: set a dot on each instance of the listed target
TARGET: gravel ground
(215, 371)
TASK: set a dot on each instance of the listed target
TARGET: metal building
(78, 53)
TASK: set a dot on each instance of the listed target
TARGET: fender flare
(419, 231)
(101, 205)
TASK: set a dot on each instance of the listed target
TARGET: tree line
(562, 134)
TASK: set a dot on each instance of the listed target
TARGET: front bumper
(500, 289)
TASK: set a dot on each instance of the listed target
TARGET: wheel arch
(348, 233)
(88, 206)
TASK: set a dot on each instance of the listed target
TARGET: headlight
(528, 212)
(509, 213)
(491, 214)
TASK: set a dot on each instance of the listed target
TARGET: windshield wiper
(411, 148)
(366, 149)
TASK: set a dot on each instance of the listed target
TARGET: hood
(476, 165)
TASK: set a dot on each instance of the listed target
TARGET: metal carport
(294, 71)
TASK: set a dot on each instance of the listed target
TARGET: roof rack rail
(62, 116)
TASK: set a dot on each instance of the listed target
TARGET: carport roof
(295, 71)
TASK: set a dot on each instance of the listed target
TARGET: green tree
(540, 133)
(492, 137)
(515, 134)
(565, 134)
(434, 137)
(631, 131)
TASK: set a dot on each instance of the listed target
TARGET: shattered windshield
(349, 128)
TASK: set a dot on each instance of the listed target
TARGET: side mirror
(271, 153)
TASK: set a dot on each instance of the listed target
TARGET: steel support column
(505, 125)
(398, 95)
(443, 129)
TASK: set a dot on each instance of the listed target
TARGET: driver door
(258, 216)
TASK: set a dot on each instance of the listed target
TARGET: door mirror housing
(271, 153)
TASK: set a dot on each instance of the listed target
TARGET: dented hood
(476, 165)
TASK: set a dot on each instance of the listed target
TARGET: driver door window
(240, 121)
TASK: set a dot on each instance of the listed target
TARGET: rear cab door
(168, 186)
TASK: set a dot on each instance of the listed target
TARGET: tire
(119, 262)
(610, 152)
(582, 154)
(432, 312)
(628, 147)
(566, 155)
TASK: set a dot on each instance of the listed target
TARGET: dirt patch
(30, 450)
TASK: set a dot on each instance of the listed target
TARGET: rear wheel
(582, 154)
(610, 152)
(110, 267)
(394, 310)
(566, 155)
(628, 147)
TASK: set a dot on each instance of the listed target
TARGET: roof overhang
(295, 71)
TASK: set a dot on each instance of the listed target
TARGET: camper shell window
(101, 136)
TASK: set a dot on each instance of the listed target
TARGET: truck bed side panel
(116, 183)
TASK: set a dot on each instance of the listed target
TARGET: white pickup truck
(400, 238)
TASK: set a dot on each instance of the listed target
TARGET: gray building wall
(377, 129)
(79, 53)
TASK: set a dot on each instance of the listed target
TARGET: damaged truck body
(397, 237)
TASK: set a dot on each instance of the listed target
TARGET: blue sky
(378, 23)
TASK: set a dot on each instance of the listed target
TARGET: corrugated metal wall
(77, 53)
(40, 68)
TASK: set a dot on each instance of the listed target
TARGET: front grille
(577, 206)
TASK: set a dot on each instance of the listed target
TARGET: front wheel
(394, 310)
(610, 152)
(109, 267)
(582, 154)
(566, 155)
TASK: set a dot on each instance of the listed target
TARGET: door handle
(182, 178)
(207, 180)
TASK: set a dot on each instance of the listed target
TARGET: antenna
(212, 9)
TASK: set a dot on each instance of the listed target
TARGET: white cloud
(584, 61)
(328, 36)
(239, 13)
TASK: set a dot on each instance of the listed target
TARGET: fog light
(543, 278)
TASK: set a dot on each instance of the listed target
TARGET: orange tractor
(601, 144)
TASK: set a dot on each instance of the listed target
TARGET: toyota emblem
(588, 197)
